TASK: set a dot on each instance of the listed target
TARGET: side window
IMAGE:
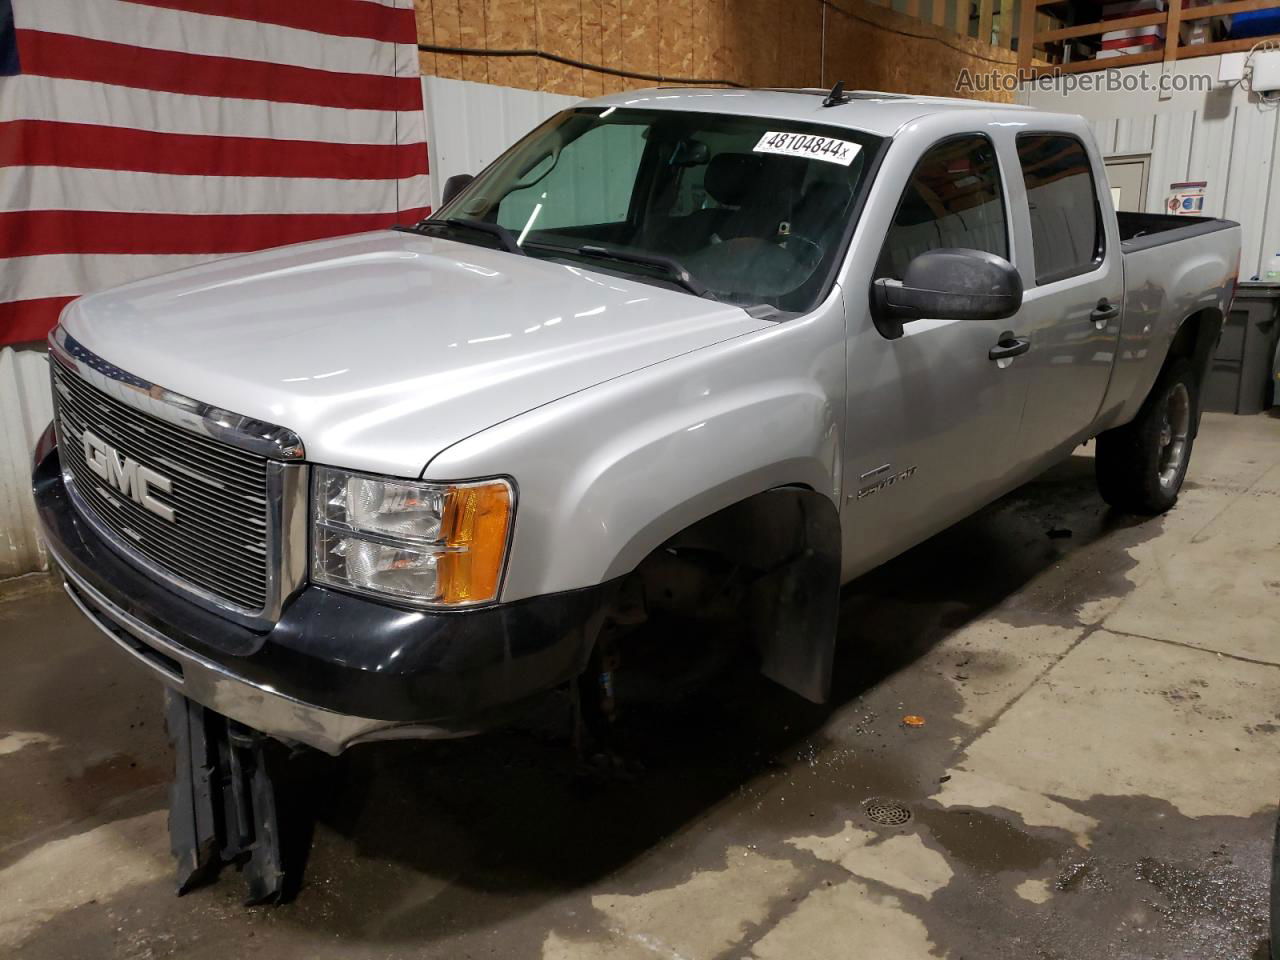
(1066, 231)
(589, 182)
(953, 199)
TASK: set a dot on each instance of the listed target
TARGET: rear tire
(1141, 466)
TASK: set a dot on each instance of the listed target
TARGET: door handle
(1009, 347)
(1104, 311)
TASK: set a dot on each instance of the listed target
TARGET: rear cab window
(1067, 238)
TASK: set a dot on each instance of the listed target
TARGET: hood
(379, 350)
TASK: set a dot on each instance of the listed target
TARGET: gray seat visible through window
(953, 199)
(823, 205)
(749, 250)
(761, 189)
(752, 195)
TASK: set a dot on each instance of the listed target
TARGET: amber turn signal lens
(477, 521)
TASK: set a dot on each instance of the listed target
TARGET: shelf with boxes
(1132, 32)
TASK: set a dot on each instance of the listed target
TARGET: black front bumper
(335, 653)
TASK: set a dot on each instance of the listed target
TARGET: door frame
(1143, 158)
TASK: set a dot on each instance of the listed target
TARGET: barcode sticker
(806, 145)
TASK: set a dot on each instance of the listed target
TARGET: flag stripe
(69, 274)
(75, 188)
(77, 101)
(178, 32)
(139, 137)
(28, 321)
(79, 58)
(50, 143)
(30, 233)
(339, 18)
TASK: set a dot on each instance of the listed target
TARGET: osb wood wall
(762, 43)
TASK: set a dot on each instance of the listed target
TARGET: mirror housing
(454, 186)
(947, 284)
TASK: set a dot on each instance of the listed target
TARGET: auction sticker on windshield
(807, 145)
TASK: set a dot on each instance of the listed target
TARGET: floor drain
(889, 813)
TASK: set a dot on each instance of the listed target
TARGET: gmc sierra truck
(678, 352)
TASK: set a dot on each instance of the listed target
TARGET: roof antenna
(836, 96)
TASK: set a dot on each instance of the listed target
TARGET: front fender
(658, 479)
(607, 475)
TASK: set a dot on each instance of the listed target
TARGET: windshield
(743, 209)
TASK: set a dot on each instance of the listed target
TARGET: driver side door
(931, 418)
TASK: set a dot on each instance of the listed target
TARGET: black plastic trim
(1187, 228)
(346, 653)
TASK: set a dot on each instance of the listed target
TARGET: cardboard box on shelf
(1131, 8)
(1196, 32)
(1120, 38)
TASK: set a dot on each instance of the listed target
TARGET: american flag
(141, 136)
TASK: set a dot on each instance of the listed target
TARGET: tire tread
(1127, 457)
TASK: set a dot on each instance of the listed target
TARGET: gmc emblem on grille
(127, 475)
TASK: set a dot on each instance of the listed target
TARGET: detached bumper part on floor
(222, 804)
(335, 669)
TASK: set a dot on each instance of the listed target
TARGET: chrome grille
(217, 542)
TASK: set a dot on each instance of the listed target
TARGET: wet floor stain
(987, 841)
(1081, 874)
(1152, 884)
(747, 831)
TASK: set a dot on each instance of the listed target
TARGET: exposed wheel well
(1195, 340)
(771, 562)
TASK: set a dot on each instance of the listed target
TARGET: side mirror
(948, 284)
(454, 186)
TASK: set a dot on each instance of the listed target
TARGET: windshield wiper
(501, 234)
(672, 268)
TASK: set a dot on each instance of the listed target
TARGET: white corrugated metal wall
(25, 410)
(1220, 135)
(1235, 153)
(468, 125)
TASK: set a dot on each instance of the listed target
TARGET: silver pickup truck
(677, 353)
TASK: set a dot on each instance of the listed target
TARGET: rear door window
(953, 199)
(1066, 229)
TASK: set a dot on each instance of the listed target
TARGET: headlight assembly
(428, 544)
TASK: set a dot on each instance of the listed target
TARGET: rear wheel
(1141, 466)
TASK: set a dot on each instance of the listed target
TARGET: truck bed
(1174, 268)
(1140, 231)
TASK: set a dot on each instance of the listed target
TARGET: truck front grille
(217, 541)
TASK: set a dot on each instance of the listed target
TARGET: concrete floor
(1096, 776)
